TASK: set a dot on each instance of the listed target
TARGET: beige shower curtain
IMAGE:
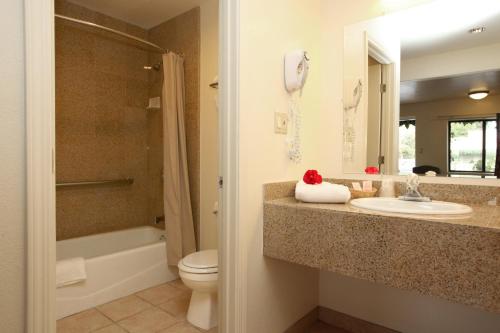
(177, 203)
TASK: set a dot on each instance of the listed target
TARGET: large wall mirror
(422, 91)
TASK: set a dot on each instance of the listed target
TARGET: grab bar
(125, 181)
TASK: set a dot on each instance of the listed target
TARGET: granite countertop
(482, 216)
(448, 256)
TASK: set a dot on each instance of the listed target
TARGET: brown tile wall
(101, 125)
(181, 35)
(103, 130)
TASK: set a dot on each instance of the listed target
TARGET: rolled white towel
(322, 193)
(70, 271)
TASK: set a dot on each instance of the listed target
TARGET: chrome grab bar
(125, 181)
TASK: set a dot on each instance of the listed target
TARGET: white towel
(322, 193)
(70, 271)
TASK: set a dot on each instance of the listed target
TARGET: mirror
(422, 91)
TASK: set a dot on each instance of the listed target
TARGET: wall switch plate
(280, 123)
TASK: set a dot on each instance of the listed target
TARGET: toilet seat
(202, 262)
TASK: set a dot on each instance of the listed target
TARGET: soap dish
(362, 194)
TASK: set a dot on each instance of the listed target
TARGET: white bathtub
(118, 264)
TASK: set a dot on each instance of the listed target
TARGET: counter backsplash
(468, 194)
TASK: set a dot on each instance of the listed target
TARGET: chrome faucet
(412, 193)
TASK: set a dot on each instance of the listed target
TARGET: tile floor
(320, 327)
(160, 309)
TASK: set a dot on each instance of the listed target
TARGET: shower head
(156, 67)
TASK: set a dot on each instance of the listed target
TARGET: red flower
(371, 170)
(312, 177)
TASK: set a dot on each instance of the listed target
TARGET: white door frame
(390, 111)
(40, 177)
(40, 150)
(232, 277)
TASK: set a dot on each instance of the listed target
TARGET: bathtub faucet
(159, 219)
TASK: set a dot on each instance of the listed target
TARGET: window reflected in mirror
(406, 146)
(472, 147)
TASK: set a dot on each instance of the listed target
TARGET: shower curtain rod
(122, 34)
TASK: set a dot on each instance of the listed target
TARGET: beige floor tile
(111, 329)
(177, 306)
(183, 327)
(123, 307)
(179, 284)
(160, 294)
(148, 321)
(86, 321)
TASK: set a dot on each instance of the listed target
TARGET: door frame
(40, 175)
(40, 155)
(388, 146)
(232, 277)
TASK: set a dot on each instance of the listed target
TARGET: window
(472, 147)
(406, 146)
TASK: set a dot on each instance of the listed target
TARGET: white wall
(477, 59)
(209, 24)
(404, 311)
(12, 168)
(391, 307)
(380, 31)
(337, 14)
(431, 132)
(280, 293)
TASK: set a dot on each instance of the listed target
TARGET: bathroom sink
(394, 205)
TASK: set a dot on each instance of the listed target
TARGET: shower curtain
(177, 203)
(497, 162)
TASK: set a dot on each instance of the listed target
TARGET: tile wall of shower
(103, 130)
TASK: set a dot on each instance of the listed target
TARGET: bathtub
(118, 264)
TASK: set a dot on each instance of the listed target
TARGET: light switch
(280, 123)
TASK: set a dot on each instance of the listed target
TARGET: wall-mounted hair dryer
(296, 68)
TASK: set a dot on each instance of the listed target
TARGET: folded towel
(70, 271)
(322, 193)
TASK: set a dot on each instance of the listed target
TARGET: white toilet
(199, 272)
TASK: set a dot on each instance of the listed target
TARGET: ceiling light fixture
(477, 30)
(478, 94)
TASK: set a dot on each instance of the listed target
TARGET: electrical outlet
(280, 123)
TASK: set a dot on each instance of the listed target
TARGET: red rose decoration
(312, 177)
(371, 170)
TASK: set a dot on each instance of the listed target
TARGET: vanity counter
(483, 216)
(453, 258)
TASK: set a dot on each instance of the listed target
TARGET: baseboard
(349, 323)
(305, 322)
(338, 320)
